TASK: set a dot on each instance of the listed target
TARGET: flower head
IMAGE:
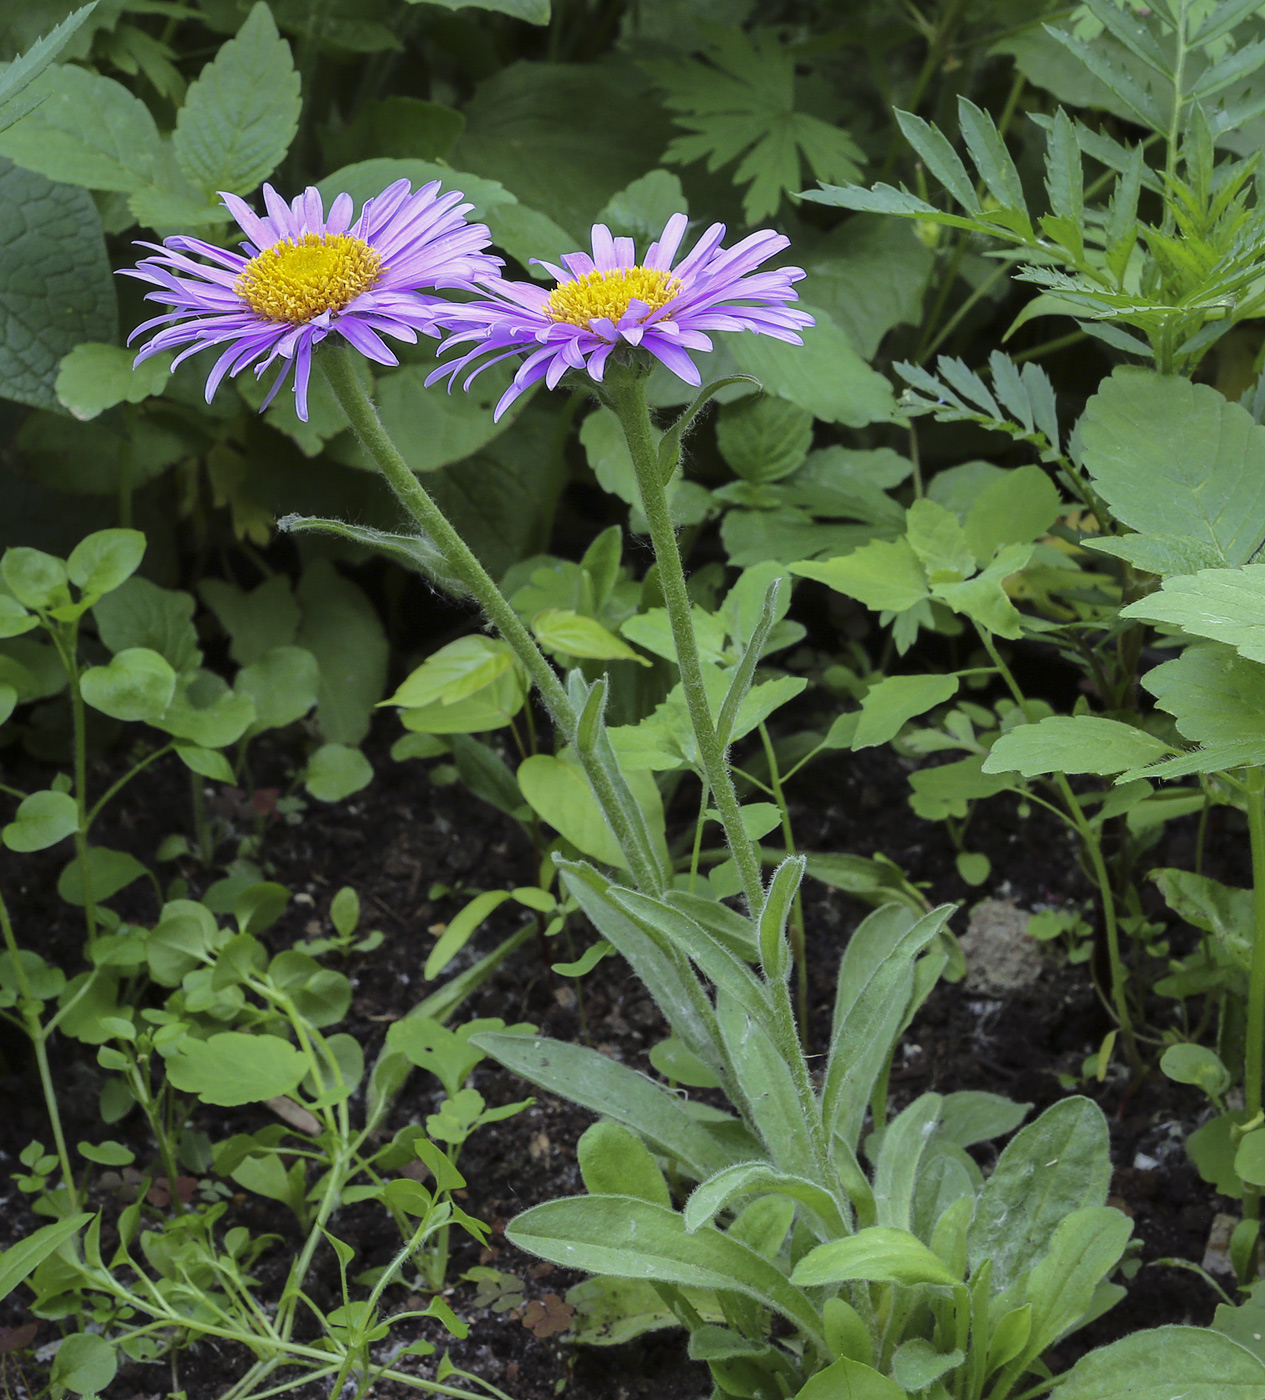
(611, 300)
(302, 275)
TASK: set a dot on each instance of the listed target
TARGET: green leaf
(642, 209)
(894, 700)
(571, 633)
(850, 1380)
(916, 1364)
(241, 113)
(87, 130)
(1225, 605)
(138, 684)
(1084, 1248)
(878, 1254)
(604, 1086)
(825, 375)
(37, 579)
(1213, 695)
(532, 11)
(85, 1364)
(335, 771)
(29, 1253)
(400, 128)
(94, 377)
(615, 1162)
(283, 684)
(764, 439)
(233, 1068)
(630, 1238)
(43, 819)
(207, 763)
(1017, 508)
(531, 126)
(1073, 744)
(559, 793)
(257, 621)
(367, 178)
(884, 575)
(1056, 1165)
(100, 562)
(1198, 1065)
(343, 631)
(108, 873)
(1174, 458)
(55, 284)
(24, 69)
(138, 613)
(455, 672)
(990, 155)
(1194, 1363)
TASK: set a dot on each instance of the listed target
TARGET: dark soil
(403, 837)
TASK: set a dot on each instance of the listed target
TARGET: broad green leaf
(1056, 1165)
(283, 684)
(241, 113)
(972, 1115)
(8, 700)
(233, 1068)
(899, 1160)
(1073, 744)
(604, 1086)
(395, 128)
(55, 284)
(207, 763)
(1174, 458)
(884, 575)
(138, 613)
(764, 439)
(1249, 1158)
(29, 1253)
(984, 598)
(1213, 695)
(94, 377)
(100, 562)
(559, 793)
(850, 1380)
(824, 376)
(455, 672)
(87, 130)
(1165, 1363)
(1015, 509)
(747, 1178)
(34, 578)
(629, 1238)
(878, 1254)
(343, 631)
(1084, 1248)
(14, 618)
(1198, 1065)
(138, 684)
(1224, 605)
(530, 126)
(615, 1162)
(367, 178)
(43, 819)
(571, 633)
(1158, 554)
(255, 621)
(642, 209)
(85, 1364)
(335, 771)
(208, 714)
(894, 700)
(916, 1364)
(108, 873)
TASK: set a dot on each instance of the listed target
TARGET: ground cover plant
(385, 405)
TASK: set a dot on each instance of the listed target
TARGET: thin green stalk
(625, 394)
(798, 953)
(1254, 1057)
(38, 1037)
(66, 647)
(355, 402)
(1093, 848)
(95, 811)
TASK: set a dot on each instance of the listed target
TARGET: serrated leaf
(894, 700)
(533, 11)
(28, 66)
(241, 114)
(1214, 695)
(990, 155)
(933, 148)
(1175, 458)
(234, 1068)
(1073, 744)
(87, 130)
(55, 285)
(1224, 605)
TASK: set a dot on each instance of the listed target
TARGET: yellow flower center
(607, 293)
(297, 279)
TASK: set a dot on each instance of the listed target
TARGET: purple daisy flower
(302, 275)
(610, 300)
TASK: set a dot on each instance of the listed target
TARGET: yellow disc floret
(297, 279)
(608, 293)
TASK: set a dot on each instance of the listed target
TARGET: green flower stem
(1254, 1057)
(339, 371)
(624, 393)
(796, 925)
(39, 1041)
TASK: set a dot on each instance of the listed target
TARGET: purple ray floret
(609, 300)
(301, 276)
